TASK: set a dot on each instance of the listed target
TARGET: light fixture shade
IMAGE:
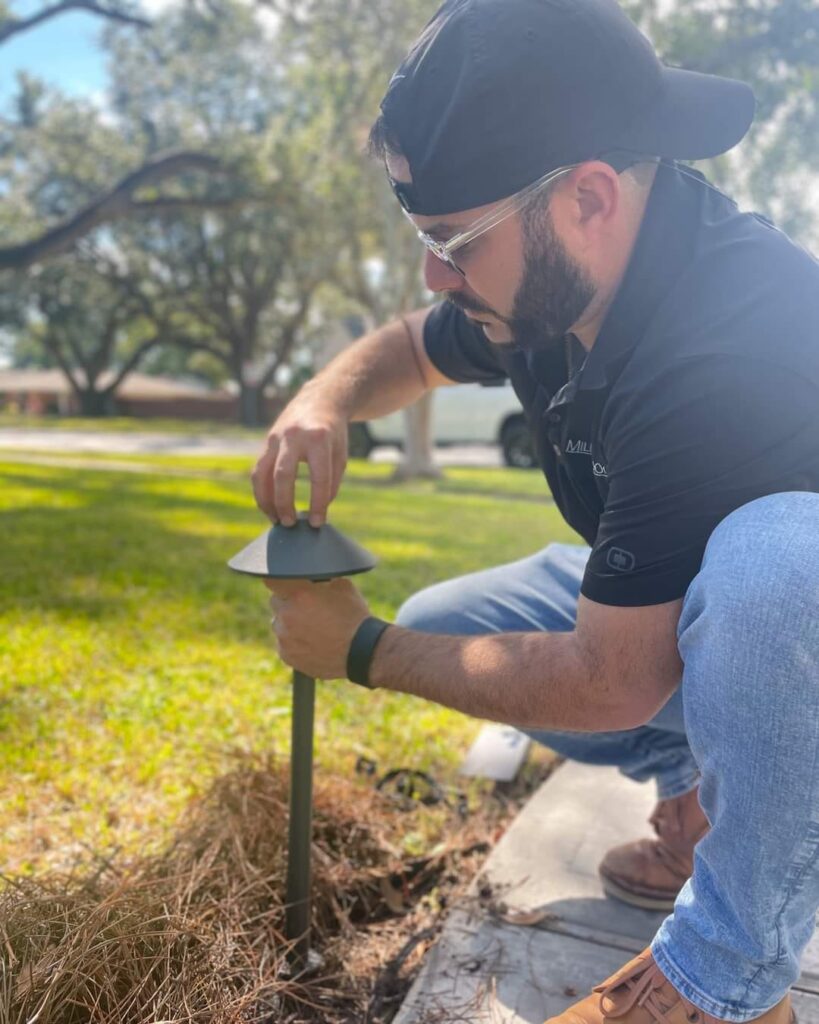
(302, 552)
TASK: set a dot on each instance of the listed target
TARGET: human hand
(307, 431)
(315, 623)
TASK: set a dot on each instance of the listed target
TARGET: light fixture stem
(297, 918)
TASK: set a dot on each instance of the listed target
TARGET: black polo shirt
(700, 393)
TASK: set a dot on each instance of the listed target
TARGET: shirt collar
(666, 244)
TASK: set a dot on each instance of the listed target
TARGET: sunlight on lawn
(132, 661)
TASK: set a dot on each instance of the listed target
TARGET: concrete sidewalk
(158, 443)
(537, 932)
(125, 442)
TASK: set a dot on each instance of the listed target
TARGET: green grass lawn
(132, 662)
(125, 424)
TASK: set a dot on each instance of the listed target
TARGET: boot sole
(635, 899)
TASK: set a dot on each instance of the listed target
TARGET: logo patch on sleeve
(620, 560)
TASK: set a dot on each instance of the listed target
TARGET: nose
(439, 277)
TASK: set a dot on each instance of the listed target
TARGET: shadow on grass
(110, 581)
(92, 560)
(123, 541)
(126, 539)
(453, 487)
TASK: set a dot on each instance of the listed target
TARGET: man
(665, 348)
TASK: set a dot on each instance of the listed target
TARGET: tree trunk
(95, 403)
(251, 402)
(418, 448)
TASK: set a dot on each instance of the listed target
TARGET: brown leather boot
(640, 993)
(650, 872)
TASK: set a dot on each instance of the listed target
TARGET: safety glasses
(444, 251)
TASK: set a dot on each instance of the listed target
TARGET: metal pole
(297, 920)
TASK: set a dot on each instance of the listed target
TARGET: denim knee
(759, 569)
(415, 612)
(433, 610)
(535, 593)
(749, 640)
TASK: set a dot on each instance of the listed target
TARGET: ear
(593, 189)
(398, 167)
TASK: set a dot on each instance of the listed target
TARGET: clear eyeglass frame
(444, 250)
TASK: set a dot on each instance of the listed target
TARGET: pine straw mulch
(195, 933)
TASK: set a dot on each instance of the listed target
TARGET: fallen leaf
(393, 897)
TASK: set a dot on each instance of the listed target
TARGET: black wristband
(362, 648)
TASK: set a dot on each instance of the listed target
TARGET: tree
(105, 204)
(57, 161)
(774, 46)
(60, 154)
(10, 24)
(87, 324)
(227, 287)
(241, 271)
(204, 76)
(115, 203)
(345, 55)
(236, 284)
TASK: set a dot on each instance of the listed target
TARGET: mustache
(469, 305)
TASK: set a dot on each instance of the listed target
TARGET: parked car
(461, 414)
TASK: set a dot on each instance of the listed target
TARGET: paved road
(125, 443)
(112, 442)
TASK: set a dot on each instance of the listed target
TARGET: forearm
(531, 680)
(384, 371)
(378, 374)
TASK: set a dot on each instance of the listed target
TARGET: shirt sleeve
(708, 436)
(459, 348)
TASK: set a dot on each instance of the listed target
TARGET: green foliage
(87, 324)
(345, 55)
(58, 156)
(132, 660)
(774, 46)
(243, 291)
(236, 284)
(207, 76)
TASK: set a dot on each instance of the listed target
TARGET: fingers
(283, 477)
(274, 476)
(321, 481)
(276, 605)
(284, 589)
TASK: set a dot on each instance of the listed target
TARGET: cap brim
(696, 116)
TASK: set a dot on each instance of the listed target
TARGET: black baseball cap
(496, 93)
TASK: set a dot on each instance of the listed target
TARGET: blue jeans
(744, 724)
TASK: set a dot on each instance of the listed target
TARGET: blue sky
(63, 51)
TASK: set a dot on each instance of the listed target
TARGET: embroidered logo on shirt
(578, 448)
(620, 560)
(585, 448)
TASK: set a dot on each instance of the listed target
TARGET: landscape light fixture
(301, 552)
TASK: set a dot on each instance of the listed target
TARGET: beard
(555, 290)
(553, 294)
